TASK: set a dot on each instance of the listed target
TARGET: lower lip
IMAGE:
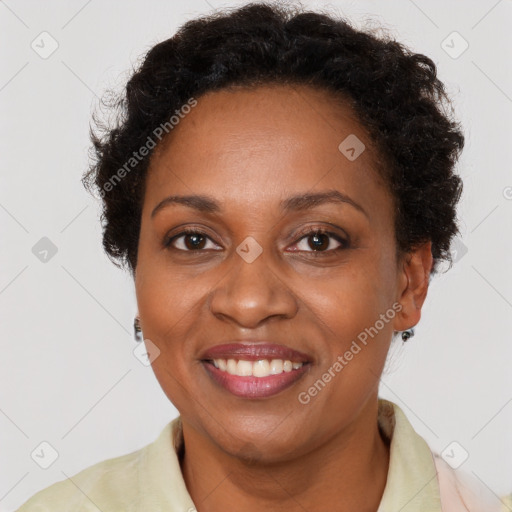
(255, 387)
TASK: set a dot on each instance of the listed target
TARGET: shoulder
(107, 484)
(460, 491)
(507, 503)
(412, 459)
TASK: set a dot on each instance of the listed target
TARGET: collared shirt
(150, 479)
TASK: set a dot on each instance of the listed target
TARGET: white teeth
(244, 368)
(231, 367)
(276, 366)
(260, 368)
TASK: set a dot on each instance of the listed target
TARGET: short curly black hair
(395, 92)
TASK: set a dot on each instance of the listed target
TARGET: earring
(137, 331)
(409, 333)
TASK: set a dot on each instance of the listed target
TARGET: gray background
(69, 376)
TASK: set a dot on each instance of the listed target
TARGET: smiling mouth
(255, 379)
(260, 368)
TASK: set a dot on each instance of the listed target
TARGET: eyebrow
(206, 204)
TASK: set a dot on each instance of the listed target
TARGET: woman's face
(253, 274)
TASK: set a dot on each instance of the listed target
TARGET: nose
(251, 293)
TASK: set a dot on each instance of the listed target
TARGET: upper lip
(252, 351)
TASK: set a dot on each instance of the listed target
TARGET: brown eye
(194, 241)
(320, 241)
(189, 240)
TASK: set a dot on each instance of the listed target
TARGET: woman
(281, 187)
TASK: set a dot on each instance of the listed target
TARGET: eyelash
(345, 244)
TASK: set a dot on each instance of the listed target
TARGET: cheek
(171, 304)
(168, 313)
(164, 296)
(355, 313)
(348, 299)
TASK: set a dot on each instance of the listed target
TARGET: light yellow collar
(411, 484)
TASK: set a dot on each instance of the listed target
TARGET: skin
(249, 149)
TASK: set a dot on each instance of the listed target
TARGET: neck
(349, 470)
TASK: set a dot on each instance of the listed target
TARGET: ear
(413, 281)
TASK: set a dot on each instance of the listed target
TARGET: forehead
(264, 141)
(266, 117)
